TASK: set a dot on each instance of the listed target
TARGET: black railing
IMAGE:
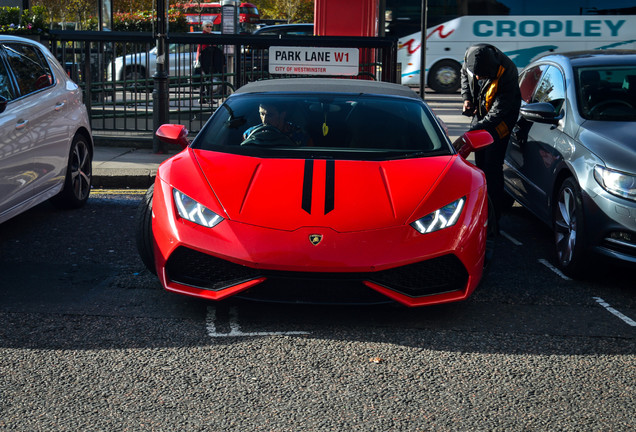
(118, 79)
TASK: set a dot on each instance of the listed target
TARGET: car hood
(614, 142)
(346, 195)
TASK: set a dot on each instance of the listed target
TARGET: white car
(142, 65)
(46, 147)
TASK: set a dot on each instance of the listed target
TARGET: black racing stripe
(307, 185)
(330, 185)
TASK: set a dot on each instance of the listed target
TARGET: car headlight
(191, 210)
(443, 218)
(615, 182)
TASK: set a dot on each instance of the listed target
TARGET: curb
(123, 181)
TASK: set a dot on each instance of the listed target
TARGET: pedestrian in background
(490, 91)
(209, 62)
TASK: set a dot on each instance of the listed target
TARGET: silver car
(572, 155)
(142, 65)
(46, 148)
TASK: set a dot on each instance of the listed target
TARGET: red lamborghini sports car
(346, 188)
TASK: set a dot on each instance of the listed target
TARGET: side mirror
(173, 134)
(471, 141)
(3, 104)
(540, 112)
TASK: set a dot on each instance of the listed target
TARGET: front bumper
(611, 225)
(397, 262)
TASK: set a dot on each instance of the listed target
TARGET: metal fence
(117, 73)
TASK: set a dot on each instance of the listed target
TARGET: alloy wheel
(81, 170)
(565, 226)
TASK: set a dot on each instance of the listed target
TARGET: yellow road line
(118, 191)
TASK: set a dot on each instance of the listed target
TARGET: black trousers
(490, 161)
(204, 86)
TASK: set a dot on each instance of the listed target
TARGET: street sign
(313, 61)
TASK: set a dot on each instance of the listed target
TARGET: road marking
(513, 240)
(118, 191)
(613, 311)
(554, 269)
(235, 329)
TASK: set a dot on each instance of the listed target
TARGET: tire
(79, 172)
(223, 89)
(444, 76)
(568, 225)
(135, 79)
(143, 231)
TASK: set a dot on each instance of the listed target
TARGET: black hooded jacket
(496, 96)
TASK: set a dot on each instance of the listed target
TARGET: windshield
(607, 93)
(323, 126)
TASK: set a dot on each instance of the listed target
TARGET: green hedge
(36, 21)
(144, 21)
(30, 21)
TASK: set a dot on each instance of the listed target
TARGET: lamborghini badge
(315, 239)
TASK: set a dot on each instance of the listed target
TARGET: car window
(181, 48)
(31, 70)
(551, 88)
(528, 81)
(323, 125)
(606, 92)
(286, 31)
(6, 90)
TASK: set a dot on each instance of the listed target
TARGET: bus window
(197, 13)
(521, 29)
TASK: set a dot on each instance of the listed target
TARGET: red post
(346, 17)
(350, 18)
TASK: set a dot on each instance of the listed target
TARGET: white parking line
(554, 269)
(611, 310)
(235, 328)
(513, 240)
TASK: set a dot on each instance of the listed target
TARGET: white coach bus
(523, 38)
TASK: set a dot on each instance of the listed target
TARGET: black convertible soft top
(328, 85)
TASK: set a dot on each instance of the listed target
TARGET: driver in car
(274, 116)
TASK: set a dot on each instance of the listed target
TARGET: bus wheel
(444, 76)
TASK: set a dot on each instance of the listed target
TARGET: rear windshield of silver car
(362, 127)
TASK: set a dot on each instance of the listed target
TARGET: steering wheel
(268, 136)
(601, 104)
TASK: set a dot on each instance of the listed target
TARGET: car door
(531, 156)
(181, 59)
(16, 159)
(44, 105)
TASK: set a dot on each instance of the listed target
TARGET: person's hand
(468, 109)
(458, 143)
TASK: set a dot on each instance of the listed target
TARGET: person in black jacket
(490, 90)
(209, 62)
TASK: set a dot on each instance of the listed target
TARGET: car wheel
(222, 89)
(444, 76)
(143, 221)
(135, 78)
(79, 171)
(568, 223)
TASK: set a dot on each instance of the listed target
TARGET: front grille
(439, 275)
(189, 267)
(621, 242)
(434, 276)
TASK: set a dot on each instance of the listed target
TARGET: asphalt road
(89, 342)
